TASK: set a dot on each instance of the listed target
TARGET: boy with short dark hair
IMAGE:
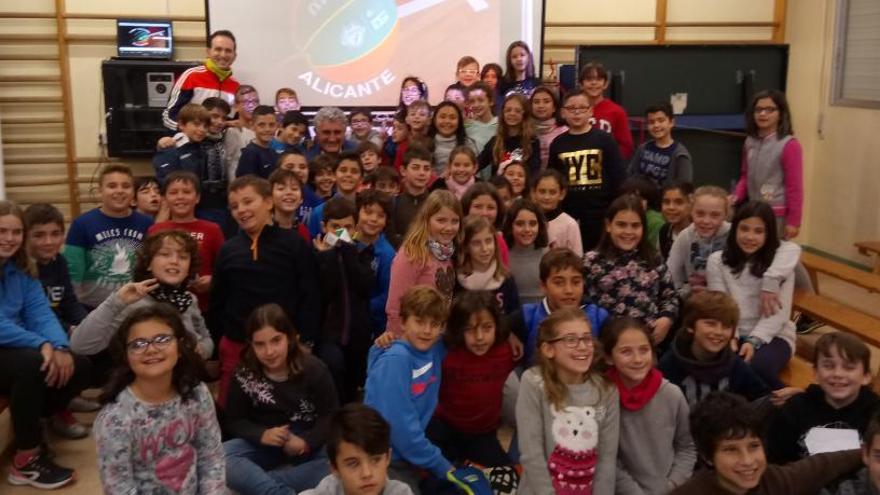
(187, 152)
(45, 232)
(403, 384)
(346, 281)
(373, 211)
(258, 158)
(416, 172)
(101, 243)
(727, 433)
(840, 398)
(348, 173)
(147, 196)
(370, 155)
(359, 449)
(322, 177)
(607, 115)
(562, 282)
(385, 180)
(182, 194)
(700, 359)
(293, 131)
(663, 160)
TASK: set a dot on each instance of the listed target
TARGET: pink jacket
(405, 273)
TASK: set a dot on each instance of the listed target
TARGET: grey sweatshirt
(543, 432)
(524, 269)
(679, 169)
(93, 335)
(690, 253)
(647, 437)
(746, 289)
(332, 486)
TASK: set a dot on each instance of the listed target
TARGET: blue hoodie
(26, 321)
(383, 257)
(403, 384)
(534, 313)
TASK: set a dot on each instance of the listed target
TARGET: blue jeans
(261, 470)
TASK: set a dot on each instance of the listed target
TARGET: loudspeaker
(159, 86)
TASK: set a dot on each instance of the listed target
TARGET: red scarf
(633, 399)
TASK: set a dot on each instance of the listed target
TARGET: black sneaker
(803, 324)
(40, 472)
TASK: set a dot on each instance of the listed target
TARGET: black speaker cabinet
(135, 94)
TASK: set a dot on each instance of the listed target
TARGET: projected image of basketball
(346, 41)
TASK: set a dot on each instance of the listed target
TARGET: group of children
(380, 310)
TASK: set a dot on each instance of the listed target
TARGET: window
(856, 77)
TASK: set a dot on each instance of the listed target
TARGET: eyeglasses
(765, 109)
(571, 340)
(577, 110)
(139, 346)
(468, 71)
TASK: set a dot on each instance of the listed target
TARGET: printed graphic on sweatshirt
(584, 168)
(112, 257)
(572, 463)
(256, 388)
(601, 124)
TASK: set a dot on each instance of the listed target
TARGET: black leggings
(30, 397)
(483, 448)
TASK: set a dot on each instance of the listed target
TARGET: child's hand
(660, 329)
(165, 143)
(275, 437)
(135, 291)
(294, 446)
(164, 212)
(201, 284)
(747, 351)
(791, 232)
(516, 346)
(779, 397)
(384, 341)
(770, 303)
(319, 243)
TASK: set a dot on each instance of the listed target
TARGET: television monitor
(144, 39)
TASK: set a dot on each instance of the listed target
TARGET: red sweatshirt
(612, 118)
(472, 386)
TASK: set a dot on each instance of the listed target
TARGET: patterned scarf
(176, 296)
(443, 252)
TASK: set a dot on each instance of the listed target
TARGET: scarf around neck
(480, 280)
(633, 399)
(458, 189)
(221, 74)
(176, 296)
(545, 126)
(443, 252)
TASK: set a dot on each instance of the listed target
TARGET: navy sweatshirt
(279, 269)
(55, 278)
(256, 160)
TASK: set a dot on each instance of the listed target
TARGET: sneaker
(504, 480)
(81, 404)
(65, 425)
(803, 324)
(40, 472)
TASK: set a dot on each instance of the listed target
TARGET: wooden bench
(816, 264)
(871, 248)
(797, 373)
(839, 316)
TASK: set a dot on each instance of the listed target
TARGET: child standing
(564, 389)
(361, 121)
(478, 360)
(840, 398)
(292, 133)
(590, 159)
(373, 211)
(491, 74)
(370, 155)
(727, 432)
(349, 173)
(261, 264)
(321, 176)
(480, 267)
(607, 115)
(147, 198)
(867, 480)
(756, 265)
(545, 105)
(675, 206)
(425, 257)
(238, 132)
(460, 172)
(447, 132)
(482, 199)
(188, 152)
(37, 370)
(519, 76)
(700, 359)
(772, 161)
(482, 123)
(359, 449)
(649, 195)
(516, 173)
(158, 430)
(101, 243)
(258, 158)
(278, 414)
(287, 198)
(165, 264)
(662, 159)
(403, 383)
(514, 140)
(182, 194)
(467, 72)
(548, 192)
(646, 400)
(416, 175)
(526, 232)
(707, 234)
(626, 275)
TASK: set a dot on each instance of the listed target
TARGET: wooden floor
(80, 454)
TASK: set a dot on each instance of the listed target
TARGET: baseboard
(839, 259)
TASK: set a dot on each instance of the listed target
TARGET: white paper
(821, 440)
(679, 102)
